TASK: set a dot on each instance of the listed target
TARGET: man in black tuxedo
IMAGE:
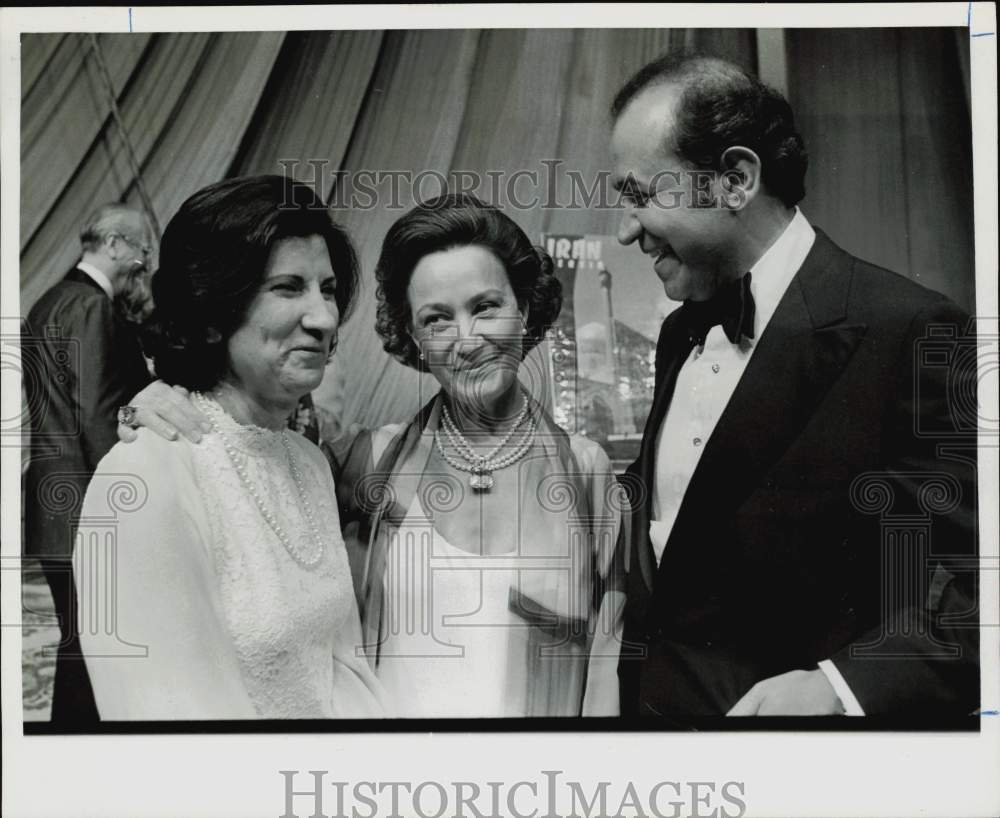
(81, 360)
(804, 499)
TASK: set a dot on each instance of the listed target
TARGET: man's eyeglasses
(145, 249)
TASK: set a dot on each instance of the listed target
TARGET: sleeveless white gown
(452, 646)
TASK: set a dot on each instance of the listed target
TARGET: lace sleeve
(357, 692)
(168, 655)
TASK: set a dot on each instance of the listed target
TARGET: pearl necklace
(481, 467)
(305, 561)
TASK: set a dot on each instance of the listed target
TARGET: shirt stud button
(716, 368)
(697, 441)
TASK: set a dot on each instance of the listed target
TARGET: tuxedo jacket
(831, 516)
(80, 362)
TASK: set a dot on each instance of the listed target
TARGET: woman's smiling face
(280, 351)
(466, 321)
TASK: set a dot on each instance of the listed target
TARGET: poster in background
(603, 346)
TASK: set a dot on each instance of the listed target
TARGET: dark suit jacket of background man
(771, 565)
(80, 363)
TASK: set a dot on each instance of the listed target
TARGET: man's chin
(677, 288)
(676, 282)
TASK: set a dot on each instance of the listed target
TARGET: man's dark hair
(720, 106)
(212, 262)
(460, 220)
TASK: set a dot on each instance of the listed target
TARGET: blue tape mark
(130, 17)
(968, 24)
(989, 713)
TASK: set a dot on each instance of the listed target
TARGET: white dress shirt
(708, 379)
(100, 279)
(705, 384)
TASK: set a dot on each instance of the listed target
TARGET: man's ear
(111, 245)
(742, 177)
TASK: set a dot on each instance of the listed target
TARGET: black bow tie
(732, 307)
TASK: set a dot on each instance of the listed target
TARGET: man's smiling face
(690, 240)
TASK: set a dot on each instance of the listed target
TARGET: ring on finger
(127, 416)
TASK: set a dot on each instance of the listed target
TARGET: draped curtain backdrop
(884, 113)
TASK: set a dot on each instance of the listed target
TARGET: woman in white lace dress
(230, 591)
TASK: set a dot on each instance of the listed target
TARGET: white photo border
(783, 774)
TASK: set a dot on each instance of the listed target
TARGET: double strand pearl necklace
(239, 464)
(481, 467)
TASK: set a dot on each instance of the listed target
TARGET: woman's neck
(249, 410)
(491, 419)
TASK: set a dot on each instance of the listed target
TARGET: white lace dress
(237, 623)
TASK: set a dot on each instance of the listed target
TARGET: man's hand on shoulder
(796, 693)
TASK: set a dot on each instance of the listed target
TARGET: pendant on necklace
(481, 481)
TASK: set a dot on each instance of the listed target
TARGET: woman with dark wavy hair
(232, 571)
(486, 538)
(491, 574)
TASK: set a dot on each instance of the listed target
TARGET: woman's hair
(213, 256)
(460, 220)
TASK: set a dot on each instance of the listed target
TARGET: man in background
(793, 420)
(81, 360)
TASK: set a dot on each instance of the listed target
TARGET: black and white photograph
(469, 410)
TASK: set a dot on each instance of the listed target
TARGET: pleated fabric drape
(185, 99)
(887, 131)
(885, 116)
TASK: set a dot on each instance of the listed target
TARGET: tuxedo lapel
(804, 348)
